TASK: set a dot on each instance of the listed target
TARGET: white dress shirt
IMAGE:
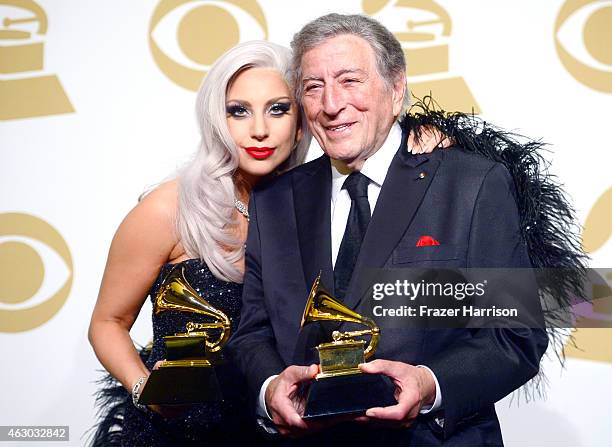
(375, 168)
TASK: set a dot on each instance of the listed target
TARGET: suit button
(422, 175)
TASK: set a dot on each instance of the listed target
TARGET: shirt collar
(376, 167)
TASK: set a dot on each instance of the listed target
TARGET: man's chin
(343, 152)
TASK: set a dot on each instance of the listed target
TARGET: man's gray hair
(390, 60)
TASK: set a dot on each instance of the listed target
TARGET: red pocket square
(426, 241)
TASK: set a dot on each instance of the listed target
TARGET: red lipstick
(259, 153)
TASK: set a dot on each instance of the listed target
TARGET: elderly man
(350, 79)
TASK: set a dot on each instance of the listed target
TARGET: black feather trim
(111, 401)
(547, 219)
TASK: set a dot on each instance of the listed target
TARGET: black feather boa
(111, 401)
(547, 219)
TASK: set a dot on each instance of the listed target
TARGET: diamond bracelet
(136, 393)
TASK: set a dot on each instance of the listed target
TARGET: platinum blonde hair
(390, 60)
(206, 184)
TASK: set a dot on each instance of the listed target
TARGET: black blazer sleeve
(476, 373)
(253, 347)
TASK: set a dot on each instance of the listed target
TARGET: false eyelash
(235, 110)
(283, 107)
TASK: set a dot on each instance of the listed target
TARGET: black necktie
(359, 217)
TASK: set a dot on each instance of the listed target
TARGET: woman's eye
(280, 108)
(237, 111)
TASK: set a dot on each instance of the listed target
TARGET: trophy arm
(202, 329)
(371, 349)
(223, 336)
(374, 332)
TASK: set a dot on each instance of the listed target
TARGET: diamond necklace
(242, 208)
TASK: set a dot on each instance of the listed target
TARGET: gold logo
(593, 337)
(597, 228)
(583, 34)
(592, 342)
(187, 36)
(423, 28)
(25, 91)
(23, 283)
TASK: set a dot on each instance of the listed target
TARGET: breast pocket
(408, 254)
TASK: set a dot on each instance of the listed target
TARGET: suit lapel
(312, 198)
(311, 195)
(405, 185)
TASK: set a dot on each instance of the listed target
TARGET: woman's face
(262, 118)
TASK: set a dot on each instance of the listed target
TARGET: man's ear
(399, 90)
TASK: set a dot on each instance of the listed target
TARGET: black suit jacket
(464, 201)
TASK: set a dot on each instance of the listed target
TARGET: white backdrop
(80, 172)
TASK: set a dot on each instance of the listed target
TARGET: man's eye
(237, 111)
(349, 80)
(280, 108)
(311, 87)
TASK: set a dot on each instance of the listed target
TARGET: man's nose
(333, 100)
(259, 127)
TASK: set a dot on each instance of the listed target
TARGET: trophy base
(181, 386)
(352, 394)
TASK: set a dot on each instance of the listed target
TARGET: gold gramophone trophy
(187, 375)
(340, 387)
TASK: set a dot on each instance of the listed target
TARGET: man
(350, 79)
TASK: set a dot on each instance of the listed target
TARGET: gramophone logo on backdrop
(25, 90)
(583, 39)
(594, 343)
(423, 27)
(187, 36)
(36, 273)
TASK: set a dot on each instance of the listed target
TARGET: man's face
(349, 107)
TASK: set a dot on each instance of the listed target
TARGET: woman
(198, 220)
(251, 128)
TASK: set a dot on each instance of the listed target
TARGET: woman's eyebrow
(239, 101)
(280, 98)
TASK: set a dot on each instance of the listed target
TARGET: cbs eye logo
(187, 36)
(33, 258)
(583, 35)
(597, 229)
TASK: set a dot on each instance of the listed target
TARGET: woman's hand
(429, 139)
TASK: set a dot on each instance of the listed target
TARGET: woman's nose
(259, 129)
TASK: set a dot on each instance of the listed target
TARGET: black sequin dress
(225, 423)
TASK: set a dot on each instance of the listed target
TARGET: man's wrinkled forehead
(337, 56)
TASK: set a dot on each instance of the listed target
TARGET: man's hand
(284, 404)
(414, 388)
(429, 139)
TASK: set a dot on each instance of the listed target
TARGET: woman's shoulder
(158, 204)
(153, 218)
(161, 199)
